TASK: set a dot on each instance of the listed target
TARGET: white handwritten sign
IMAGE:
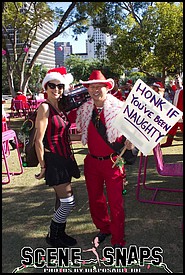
(146, 117)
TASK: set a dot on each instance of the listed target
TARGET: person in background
(128, 88)
(116, 91)
(21, 96)
(54, 153)
(172, 85)
(98, 163)
(170, 91)
(178, 102)
(159, 88)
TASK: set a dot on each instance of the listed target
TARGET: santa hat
(97, 77)
(158, 84)
(129, 82)
(59, 74)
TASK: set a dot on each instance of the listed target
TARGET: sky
(78, 46)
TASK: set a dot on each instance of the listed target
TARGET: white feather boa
(111, 107)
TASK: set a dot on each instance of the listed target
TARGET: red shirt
(21, 97)
(24, 100)
(96, 145)
(117, 94)
(56, 138)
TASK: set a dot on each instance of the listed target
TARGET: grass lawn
(27, 208)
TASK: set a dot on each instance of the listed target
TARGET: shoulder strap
(116, 146)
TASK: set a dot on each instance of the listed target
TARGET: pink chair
(19, 108)
(39, 101)
(73, 131)
(4, 126)
(6, 136)
(6, 144)
(32, 104)
(163, 169)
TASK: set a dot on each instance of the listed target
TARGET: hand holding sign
(119, 160)
(146, 117)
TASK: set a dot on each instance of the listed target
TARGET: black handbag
(26, 137)
(73, 166)
(74, 169)
(129, 156)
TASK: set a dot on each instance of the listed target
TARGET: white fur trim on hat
(65, 79)
(108, 81)
(156, 84)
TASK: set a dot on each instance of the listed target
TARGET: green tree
(82, 68)
(148, 35)
(152, 42)
(15, 18)
(26, 24)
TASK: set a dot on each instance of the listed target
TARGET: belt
(103, 158)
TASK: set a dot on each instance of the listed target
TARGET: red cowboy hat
(97, 77)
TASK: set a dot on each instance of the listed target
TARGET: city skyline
(78, 46)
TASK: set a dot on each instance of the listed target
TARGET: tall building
(96, 43)
(62, 51)
(47, 55)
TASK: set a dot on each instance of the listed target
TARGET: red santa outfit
(178, 102)
(21, 96)
(99, 171)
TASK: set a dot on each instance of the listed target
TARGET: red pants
(99, 173)
(174, 129)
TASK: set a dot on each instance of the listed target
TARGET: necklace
(97, 118)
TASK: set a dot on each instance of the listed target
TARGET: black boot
(66, 239)
(57, 237)
(53, 238)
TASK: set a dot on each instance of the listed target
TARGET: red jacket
(24, 100)
(117, 94)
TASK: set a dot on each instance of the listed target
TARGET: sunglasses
(53, 86)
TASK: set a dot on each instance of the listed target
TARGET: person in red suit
(178, 102)
(21, 96)
(99, 172)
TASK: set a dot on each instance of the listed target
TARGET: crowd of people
(93, 119)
